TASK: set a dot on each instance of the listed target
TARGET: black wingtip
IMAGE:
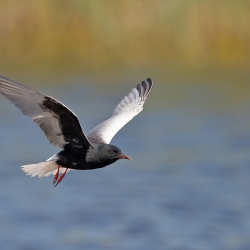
(140, 88)
(144, 84)
(145, 87)
(149, 80)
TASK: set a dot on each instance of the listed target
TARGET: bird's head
(114, 152)
(105, 154)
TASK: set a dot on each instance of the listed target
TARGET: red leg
(61, 177)
(56, 175)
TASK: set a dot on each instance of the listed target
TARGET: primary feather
(130, 106)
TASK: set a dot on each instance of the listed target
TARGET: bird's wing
(59, 124)
(130, 106)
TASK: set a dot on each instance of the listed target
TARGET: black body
(97, 156)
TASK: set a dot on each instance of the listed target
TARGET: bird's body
(95, 157)
(62, 128)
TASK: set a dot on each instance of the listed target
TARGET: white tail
(42, 169)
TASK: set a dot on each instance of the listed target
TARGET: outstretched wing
(59, 124)
(130, 106)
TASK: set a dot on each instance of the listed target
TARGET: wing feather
(130, 106)
(59, 123)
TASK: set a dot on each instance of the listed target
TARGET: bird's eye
(113, 151)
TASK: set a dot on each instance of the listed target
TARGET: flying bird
(62, 128)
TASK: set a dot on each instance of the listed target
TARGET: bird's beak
(122, 156)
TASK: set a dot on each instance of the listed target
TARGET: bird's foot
(61, 178)
(56, 175)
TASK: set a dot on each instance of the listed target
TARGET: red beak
(122, 156)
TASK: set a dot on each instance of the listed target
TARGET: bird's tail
(42, 169)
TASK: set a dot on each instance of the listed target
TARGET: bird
(62, 128)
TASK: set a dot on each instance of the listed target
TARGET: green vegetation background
(175, 37)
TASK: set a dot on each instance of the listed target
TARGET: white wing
(59, 124)
(130, 106)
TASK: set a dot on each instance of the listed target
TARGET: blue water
(187, 187)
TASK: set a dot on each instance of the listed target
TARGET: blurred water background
(188, 186)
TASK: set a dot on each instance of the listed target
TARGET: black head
(105, 154)
(112, 153)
